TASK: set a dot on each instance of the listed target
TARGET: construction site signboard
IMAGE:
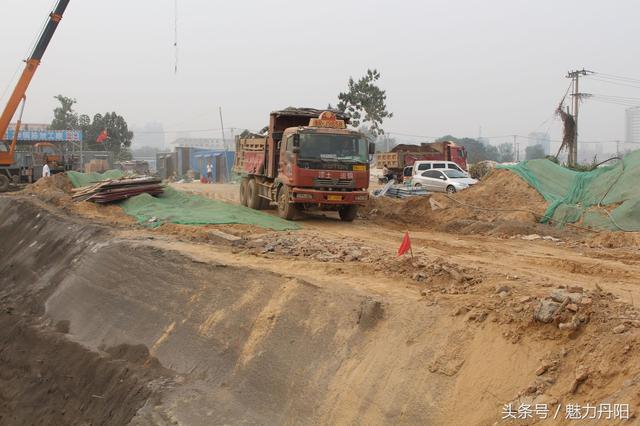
(45, 135)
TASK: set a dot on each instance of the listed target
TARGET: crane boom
(19, 92)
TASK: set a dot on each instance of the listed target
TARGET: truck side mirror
(372, 148)
(296, 143)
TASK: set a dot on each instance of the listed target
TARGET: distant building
(632, 134)
(151, 134)
(31, 127)
(206, 143)
(540, 138)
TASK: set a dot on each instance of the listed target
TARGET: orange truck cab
(308, 160)
(45, 152)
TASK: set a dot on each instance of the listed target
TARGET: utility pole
(515, 155)
(224, 143)
(575, 77)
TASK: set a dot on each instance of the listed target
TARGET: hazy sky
(448, 66)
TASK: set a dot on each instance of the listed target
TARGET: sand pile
(501, 204)
(615, 240)
(56, 190)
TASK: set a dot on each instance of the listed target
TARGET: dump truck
(307, 160)
(404, 155)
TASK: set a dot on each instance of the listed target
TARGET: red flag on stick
(406, 245)
(102, 137)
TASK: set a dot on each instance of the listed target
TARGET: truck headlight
(362, 197)
(304, 196)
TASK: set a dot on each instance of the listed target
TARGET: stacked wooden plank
(110, 190)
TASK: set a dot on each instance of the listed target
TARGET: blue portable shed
(222, 162)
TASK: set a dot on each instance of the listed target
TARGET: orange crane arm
(32, 64)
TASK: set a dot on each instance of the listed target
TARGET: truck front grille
(333, 183)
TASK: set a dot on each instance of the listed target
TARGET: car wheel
(417, 185)
(451, 189)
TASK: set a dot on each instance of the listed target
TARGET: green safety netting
(182, 208)
(605, 198)
(85, 179)
(179, 207)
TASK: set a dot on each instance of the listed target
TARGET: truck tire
(254, 201)
(348, 213)
(4, 183)
(264, 203)
(286, 210)
(244, 188)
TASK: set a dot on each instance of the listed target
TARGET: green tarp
(182, 208)
(85, 179)
(605, 198)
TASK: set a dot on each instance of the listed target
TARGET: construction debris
(110, 190)
(399, 191)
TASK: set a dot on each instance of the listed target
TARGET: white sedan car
(443, 180)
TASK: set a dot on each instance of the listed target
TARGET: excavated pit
(102, 330)
(105, 327)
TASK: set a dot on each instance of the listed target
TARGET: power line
(617, 83)
(618, 77)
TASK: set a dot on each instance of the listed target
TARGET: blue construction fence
(196, 159)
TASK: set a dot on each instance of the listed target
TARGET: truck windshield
(319, 146)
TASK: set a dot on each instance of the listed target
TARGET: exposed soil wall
(107, 327)
(44, 377)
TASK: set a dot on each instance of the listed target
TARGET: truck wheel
(264, 203)
(348, 213)
(4, 183)
(254, 201)
(286, 210)
(244, 183)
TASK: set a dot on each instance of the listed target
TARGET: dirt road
(532, 262)
(321, 325)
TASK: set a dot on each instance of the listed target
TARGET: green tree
(119, 136)
(534, 152)
(505, 153)
(64, 117)
(365, 102)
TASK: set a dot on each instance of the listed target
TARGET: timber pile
(110, 190)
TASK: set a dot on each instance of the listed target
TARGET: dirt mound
(57, 191)
(501, 204)
(57, 182)
(501, 189)
(615, 240)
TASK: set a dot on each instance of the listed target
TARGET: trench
(96, 329)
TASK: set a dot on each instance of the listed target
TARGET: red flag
(406, 245)
(102, 137)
